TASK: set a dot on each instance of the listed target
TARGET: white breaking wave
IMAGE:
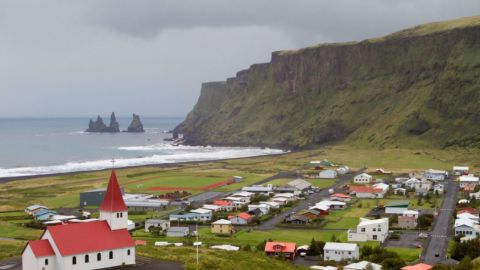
(178, 154)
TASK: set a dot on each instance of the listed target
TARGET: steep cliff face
(417, 87)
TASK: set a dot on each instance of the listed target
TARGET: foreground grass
(215, 259)
(11, 248)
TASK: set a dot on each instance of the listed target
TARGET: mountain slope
(416, 87)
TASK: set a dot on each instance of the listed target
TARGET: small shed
(396, 207)
(178, 232)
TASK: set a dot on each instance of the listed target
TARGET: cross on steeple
(113, 163)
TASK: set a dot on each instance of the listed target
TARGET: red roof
(140, 243)
(280, 247)
(113, 200)
(41, 248)
(470, 210)
(76, 238)
(419, 266)
(245, 216)
(365, 189)
(222, 203)
(340, 195)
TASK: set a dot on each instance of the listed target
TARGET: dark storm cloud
(86, 57)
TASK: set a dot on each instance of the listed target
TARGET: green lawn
(408, 254)
(11, 248)
(345, 219)
(17, 231)
(215, 259)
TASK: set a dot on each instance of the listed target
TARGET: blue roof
(43, 212)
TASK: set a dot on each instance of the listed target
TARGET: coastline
(4, 180)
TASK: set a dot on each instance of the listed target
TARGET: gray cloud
(150, 56)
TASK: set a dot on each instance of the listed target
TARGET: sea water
(37, 146)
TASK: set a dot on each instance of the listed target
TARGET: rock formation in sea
(99, 126)
(136, 125)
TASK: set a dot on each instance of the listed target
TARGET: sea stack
(99, 125)
(136, 125)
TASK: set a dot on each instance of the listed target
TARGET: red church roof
(113, 200)
(41, 248)
(77, 238)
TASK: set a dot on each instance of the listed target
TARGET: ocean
(37, 146)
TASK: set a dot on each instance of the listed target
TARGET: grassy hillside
(415, 88)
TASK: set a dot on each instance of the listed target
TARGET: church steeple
(113, 208)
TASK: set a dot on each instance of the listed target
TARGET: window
(74, 260)
(99, 256)
(110, 255)
(121, 215)
(46, 261)
(128, 252)
(87, 258)
(362, 229)
(374, 237)
(118, 215)
(374, 229)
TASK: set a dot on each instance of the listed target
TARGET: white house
(467, 227)
(467, 179)
(103, 243)
(460, 170)
(435, 175)
(328, 174)
(475, 195)
(289, 196)
(410, 213)
(468, 216)
(369, 230)
(340, 252)
(422, 187)
(343, 170)
(259, 189)
(329, 205)
(300, 185)
(363, 265)
(410, 183)
(363, 178)
(280, 201)
(160, 223)
(438, 189)
(33, 208)
(262, 207)
(212, 207)
(396, 207)
(273, 205)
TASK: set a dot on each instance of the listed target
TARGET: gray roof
(300, 184)
(179, 229)
(156, 221)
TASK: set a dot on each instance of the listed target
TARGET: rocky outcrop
(415, 88)
(99, 125)
(136, 125)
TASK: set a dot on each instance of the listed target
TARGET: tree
(393, 220)
(465, 264)
(247, 247)
(440, 267)
(316, 248)
(425, 221)
(393, 263)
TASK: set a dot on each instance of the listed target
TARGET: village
(346, 220)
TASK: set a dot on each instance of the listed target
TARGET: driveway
(439, 235)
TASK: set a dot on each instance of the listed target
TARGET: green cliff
(418, 87)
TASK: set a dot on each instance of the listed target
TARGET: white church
(89, 245)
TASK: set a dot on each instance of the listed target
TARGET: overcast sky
(82, 58)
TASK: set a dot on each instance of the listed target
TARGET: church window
(46, 261)
(128, 252)
(99, 256)
(110, 255)
(87, 258)
(74, 260)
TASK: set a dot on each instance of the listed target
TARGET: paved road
(438, 240)
(309, 201)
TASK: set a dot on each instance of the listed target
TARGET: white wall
(340, 255)
(120, 257)
(30, 262)
(114, 221)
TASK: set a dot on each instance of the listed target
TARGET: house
(240, 219)
(286, 189)
(272, 205)
(438, 189)
(300, 185)
(235, 201)
(471, 210)
(297, 219)
(313, 214)
(178, 232)
(237, 179)
(157, 223)
(422, 187)
(363, 178)
(469, 216)
(259, 189)
(280, 201)
(411, 213)
(289, 196)
(340, 252)
(460, 170)
(467, 227)
(343, 170)
(435, 175)
(418, 266)
(144, 202)
(369, 230)
(262, 207)
(475, 195)
(224, 205)
(281, 249)
(399, 191)
(467, 179)
(191, 217)
(328, 174)
(256, 212)
(369, 192)
(396, 207)
(340, 197)
(93, 197)
(103, 243)
(203, 214)
(407, 222)
(30, 210)
(222, 226)
(44, 215)
(363, 265)
(212, 207)
(318, 267)
(326, 205)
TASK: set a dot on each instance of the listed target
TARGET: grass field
(345, 219)
(10, 248)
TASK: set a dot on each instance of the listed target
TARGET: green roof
(397, 204)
